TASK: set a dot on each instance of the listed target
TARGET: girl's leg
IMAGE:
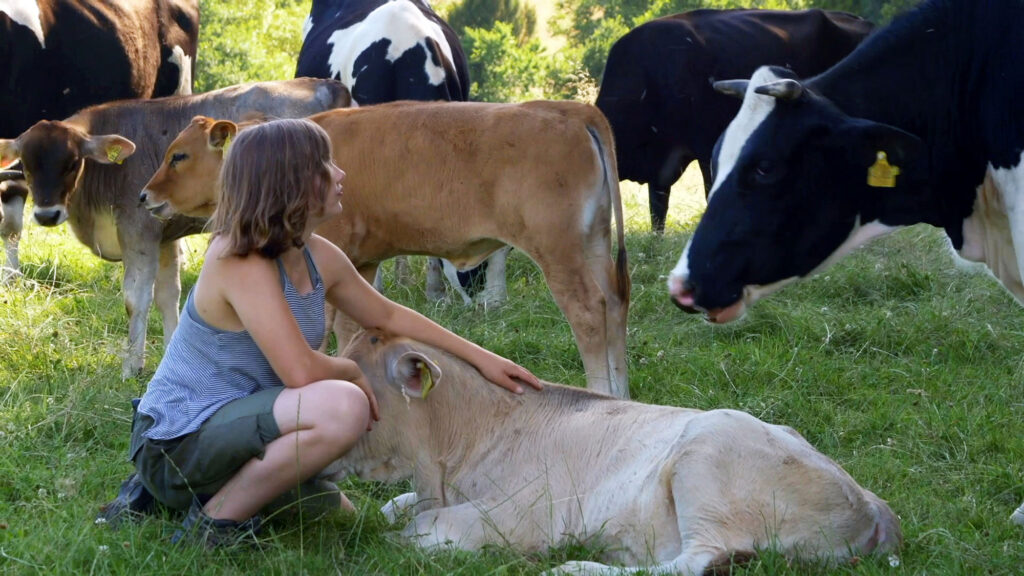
(318, 422)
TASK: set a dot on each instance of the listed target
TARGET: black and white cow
(387, 50)
(59, 56)
(656, 89)
(922, 123)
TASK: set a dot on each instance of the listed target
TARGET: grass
(895, 363)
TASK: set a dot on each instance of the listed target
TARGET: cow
(656, 88)
(59, 56)
(920, 124)
(88, 169)
(673, 490)
(388, 50)
(13, 194)
(461, 180)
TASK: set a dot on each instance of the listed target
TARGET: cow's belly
(988, 233)
(99, 233)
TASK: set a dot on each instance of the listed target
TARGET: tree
(484, 13)
(260, 42)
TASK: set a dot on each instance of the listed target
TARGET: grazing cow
(101, 201)
(59, 56)
(656, 89)
(906, 129)
(675, 489)
(460, 180)
(388, 50)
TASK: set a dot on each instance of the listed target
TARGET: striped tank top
(204, 367)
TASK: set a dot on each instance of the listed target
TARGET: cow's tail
(601, 132)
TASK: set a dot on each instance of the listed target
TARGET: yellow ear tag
(227, 144)
(114, 153)
(881, 174)
(426, 379)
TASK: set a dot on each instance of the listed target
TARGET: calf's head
(53, 156)
(405, 376)
(186, 182)
(797, 185)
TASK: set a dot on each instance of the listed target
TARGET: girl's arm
(355, 297)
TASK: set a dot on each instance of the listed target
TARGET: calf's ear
(870, 138)
(413, 374)
(221, 134)
(109, 149)
(10, 152)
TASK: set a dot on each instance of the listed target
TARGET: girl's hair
(273, 175)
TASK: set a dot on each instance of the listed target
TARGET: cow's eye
(765, 168)
(374, 339)
(177, 157)
(765, 172)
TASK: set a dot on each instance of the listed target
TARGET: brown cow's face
(53, 158)
(186, 182)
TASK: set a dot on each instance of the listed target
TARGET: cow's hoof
(130, 368)
(1018, 516)
(577, 568)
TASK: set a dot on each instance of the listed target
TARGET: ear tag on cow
(227, 144)
(881, 174)
(114, 154)
(426, 380)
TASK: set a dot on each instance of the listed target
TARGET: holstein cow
(656, 89)
(460, 180)
(904, 130)
(388, 50)
(59, 56)
(123, 142)
(664, 489)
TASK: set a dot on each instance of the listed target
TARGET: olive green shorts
(198, 464)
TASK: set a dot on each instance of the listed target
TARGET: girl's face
(332, 200)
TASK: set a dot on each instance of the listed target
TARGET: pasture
(900, 366)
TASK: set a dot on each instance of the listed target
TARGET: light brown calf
(459, 181)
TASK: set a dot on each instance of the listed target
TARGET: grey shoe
(313, 498)
(215, 533)
(133, 501)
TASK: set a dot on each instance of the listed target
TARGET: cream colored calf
(662, 489)
(460, 181)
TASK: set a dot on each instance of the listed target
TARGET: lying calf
(679, 490)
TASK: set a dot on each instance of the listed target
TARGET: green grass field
(903, 368)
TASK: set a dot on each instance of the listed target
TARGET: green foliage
(259, 42)
(484, 14)
(502, 68)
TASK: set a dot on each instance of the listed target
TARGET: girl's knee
(344, 404)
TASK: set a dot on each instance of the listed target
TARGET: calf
(388, 50)
(122, 142)
(669, 489)
(656, 88)
(59, 56)
(13, 194)
(461, 180)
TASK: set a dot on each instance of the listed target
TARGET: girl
(243, 407)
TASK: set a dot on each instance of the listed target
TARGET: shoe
(133, 500)
(215, 533)
(313, 498)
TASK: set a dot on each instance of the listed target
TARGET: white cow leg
(495, 289)
(398, 506)
(452, 275)
(10, 230)
(463, 526)
(403, 276)
(168, 287)
(1010, 183)
(1018, 516)
(688, 564)
(436, 269)
(139, 276)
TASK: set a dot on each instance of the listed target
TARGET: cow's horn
(737, 88)
(6, 175)
(787, 89)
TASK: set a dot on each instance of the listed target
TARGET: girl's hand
(507, 374)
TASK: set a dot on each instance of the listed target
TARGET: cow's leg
(168, 287)
(465, 526)
(683, 566)
(452, 275)
(10, 230)
(658, 198)
(140, 270)
(435, 279)
(402, 274)
(495, 288)
(583, 290)
(705, 172)
(398, 506)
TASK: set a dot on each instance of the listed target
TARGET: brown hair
(273, 174)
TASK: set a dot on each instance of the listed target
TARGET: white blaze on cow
(460, 181)
(660, 489)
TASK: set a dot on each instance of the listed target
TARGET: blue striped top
(204, 367)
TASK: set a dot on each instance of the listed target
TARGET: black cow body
(657, 94)
(388, 50)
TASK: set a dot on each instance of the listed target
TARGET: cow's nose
(683, 298)
(142, 197)
(48, 217)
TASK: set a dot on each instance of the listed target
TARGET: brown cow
(122, 141)
(461, 180)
